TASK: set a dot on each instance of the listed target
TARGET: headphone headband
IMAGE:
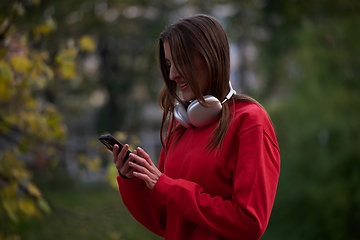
(230, 94)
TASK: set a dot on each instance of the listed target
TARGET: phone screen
(109, 141)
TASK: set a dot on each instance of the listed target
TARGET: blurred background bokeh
(72, 70)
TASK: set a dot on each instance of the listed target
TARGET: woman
(217, 175)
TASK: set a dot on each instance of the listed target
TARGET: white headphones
(197, 115)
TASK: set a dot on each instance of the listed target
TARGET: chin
(188, 97)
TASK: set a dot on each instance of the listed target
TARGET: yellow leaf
(40, 82)
(51, 24)
(87, 43)
(21, 64)
(132, 147)
(28, 207)
(33, 190)
(6, 76)
(93, 143)
(67, 70)
(37, 78)
(82, 159)
(121, 136)
(65, 55)
(20, 173)
(3, 52)
(42, 56)
(65, 61)
(114, 235)
(4, 91)
(10, 119)
(135, 141)
(111, 175)
(45, 29)
(9, 191)
(36, 2)
(94, 164)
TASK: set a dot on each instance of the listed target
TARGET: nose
(174, 74)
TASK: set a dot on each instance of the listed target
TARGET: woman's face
(201, 73)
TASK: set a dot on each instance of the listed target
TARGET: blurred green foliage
(305, 59)
(32, 131)
(313, 59)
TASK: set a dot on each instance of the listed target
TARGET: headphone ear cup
(181, 115)
(201, 116)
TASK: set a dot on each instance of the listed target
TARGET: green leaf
(48, 71)
(43, 205)
(5, 72)
(11, 208)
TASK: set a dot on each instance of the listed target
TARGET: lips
(182, 85)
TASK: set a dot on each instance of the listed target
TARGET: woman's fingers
(122, 164)
(144, 155)
(115, 152)
(140, 166)
(144, 174)
(142, 163)
(119, 156)
(144, 168)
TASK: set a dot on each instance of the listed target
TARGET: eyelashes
(167, 63)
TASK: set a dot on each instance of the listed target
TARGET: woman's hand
(144, 168)
(138, 166)
(123, 167)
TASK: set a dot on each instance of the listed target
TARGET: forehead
(167, 50)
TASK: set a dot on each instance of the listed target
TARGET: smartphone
(109, 141)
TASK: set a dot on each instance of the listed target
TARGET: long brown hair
(205, 35)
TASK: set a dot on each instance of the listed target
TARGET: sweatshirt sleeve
(243, 216)
(144, 208)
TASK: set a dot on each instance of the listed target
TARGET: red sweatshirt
(202, 195)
